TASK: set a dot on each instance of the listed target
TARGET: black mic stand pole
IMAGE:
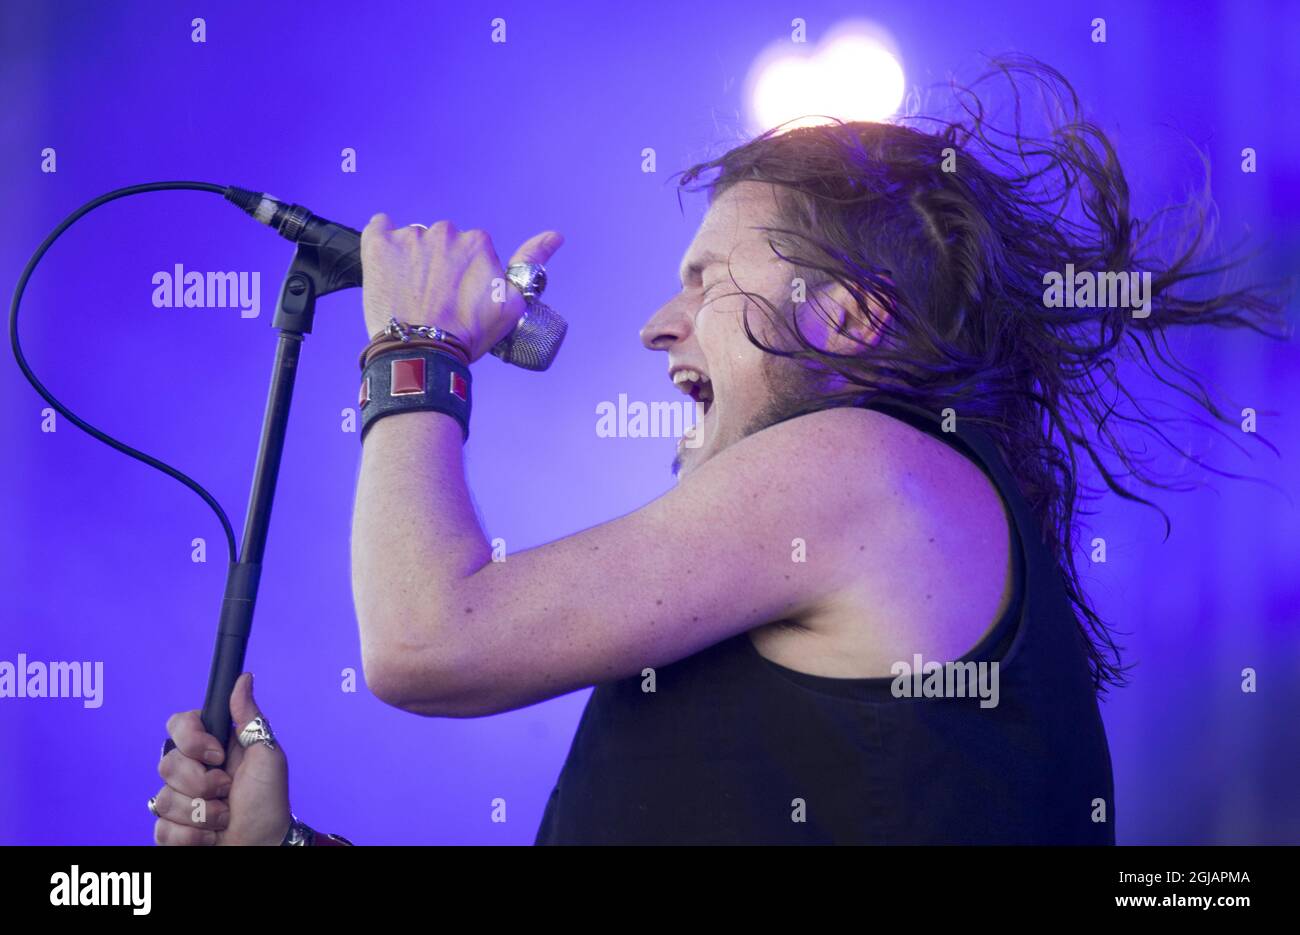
(317, 269)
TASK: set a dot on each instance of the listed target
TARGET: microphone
(532, 344)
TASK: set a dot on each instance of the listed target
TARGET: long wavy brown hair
(949, 226)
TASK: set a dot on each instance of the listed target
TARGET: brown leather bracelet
(375, 348)
(450, 339)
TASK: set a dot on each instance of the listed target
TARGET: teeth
(689, 376)
(695, 385)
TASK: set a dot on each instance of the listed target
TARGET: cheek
(734, 364)
(720, 327)
(711, 331)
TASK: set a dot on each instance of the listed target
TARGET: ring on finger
(153, 806)
(258, 730)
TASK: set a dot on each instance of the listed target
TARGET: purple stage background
(546, 130)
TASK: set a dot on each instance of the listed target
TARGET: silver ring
(153, 806)
(528, 278)
(423, 227)
(258, 730)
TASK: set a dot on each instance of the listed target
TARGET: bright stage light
(853, 74)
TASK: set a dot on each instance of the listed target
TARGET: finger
(410, 232)
(484, 265)
(538, 248)
(242, 706)
(169, 834)
(192, 778)
(378, 224)
(192, 810)
(445, 228)
(378, 229)
(190, 736)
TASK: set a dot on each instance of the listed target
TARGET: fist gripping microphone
(532, 344)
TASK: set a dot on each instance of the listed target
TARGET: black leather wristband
(417, 379)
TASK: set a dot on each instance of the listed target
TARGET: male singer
(855, 618)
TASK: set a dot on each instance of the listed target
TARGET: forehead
(729, 225)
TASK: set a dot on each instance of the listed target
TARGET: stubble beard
(791, 389)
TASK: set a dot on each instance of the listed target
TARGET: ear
(852, 327)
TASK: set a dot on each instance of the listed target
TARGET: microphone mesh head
(536, 339)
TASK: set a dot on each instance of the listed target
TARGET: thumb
(242, 706)
(539, 248)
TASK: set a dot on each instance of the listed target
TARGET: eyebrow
(699, 263)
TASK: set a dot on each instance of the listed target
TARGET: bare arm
(415, 538)
(446, 631)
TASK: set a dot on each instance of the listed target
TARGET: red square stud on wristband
(459, 388)
(407, 377)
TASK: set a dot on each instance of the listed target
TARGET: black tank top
(732, 748)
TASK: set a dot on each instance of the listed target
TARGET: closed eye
(719, 284)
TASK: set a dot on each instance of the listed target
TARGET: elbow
(422, 682)
(384, 681)
(397, 672)
(392, 677)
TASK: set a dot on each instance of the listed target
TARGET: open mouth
(696, 385)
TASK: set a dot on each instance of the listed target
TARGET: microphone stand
(327, 259)
(318, 268)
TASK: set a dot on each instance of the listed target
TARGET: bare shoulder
(827, 443)
(916, 470)
(929, 563)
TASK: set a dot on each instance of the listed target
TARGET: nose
(667, 327)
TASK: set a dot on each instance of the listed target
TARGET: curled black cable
(40, 388)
